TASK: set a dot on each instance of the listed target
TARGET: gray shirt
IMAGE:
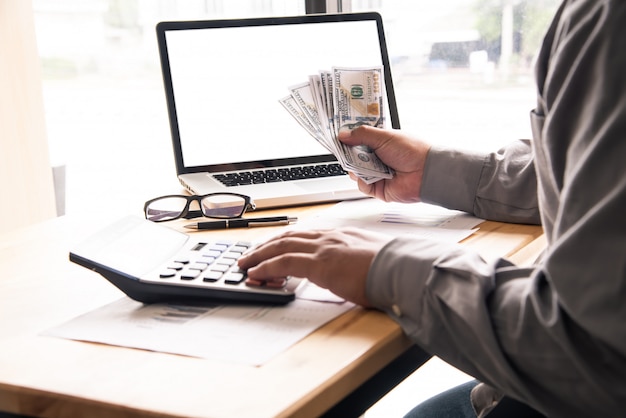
(554, 335)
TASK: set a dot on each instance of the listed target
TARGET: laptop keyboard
(273, 175)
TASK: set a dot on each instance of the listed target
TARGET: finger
(365, 135)
(310, 234)
(301, 241)
(368, 189)
(281, 266)
(270, 283)
(362, 186)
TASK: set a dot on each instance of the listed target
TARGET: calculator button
(220, 246)
(234, 278)
(212, 276)
(220, 267)
(232, 255)
(275, 284)
(167, 274)
(176, 266)
(199, 246)
(198, 266)
(212, 253)
(227, 261)
(254, 283)
(189, 274)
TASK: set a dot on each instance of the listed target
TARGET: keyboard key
(168, 274)
(189, 274)
(198, 266)
(212, 276)
(229, 261)
(220, 267)
(212, 253)
(234, 278)
(281, 174)
(274, 284)
(176, 266)
(220, 246)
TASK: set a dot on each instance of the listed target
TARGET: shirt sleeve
(553, 335)
(500, 186)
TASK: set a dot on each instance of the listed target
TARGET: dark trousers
(455, 403)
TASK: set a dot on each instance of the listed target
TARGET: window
(457, 81)
(103, 94)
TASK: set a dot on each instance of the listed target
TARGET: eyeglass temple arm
(193, 214)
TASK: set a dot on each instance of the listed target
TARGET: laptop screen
(224, 80)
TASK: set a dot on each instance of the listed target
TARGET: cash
(339, 99)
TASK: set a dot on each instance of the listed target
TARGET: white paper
(311, 291)
(240, 334)
(254, 334)
(418, 219)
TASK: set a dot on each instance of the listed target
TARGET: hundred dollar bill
(291, 105)
(319, 97)
(342, 98)
(358, 99)
(303, 95)
(327, 88)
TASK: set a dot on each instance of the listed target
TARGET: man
(551, 336)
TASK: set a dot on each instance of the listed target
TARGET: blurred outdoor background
(463, 76)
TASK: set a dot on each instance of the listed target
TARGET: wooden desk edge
(33, 401)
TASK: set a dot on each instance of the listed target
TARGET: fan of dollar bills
(342, 98)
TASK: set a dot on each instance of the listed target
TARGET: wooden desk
(52, 377)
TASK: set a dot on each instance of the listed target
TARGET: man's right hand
(405, 155)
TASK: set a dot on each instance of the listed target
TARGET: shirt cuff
(451, 178)
(399, 275)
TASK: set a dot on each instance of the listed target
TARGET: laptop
(223, 80)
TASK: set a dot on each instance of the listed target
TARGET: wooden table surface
(53, 377)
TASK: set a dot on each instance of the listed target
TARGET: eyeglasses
(213, 205)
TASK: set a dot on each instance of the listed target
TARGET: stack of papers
(226, 332)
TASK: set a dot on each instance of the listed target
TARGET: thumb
(364, 135)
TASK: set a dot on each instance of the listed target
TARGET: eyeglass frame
(186, 213)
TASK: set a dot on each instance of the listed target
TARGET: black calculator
(152, 263)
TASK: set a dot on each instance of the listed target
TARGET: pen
(243, 223)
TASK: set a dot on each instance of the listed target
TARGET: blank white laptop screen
(227, 82)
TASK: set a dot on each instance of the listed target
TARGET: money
(339, 99)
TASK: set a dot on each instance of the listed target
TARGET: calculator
(152, 263)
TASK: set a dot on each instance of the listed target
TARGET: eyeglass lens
(212, 206)
(166, 209)
(223, 206)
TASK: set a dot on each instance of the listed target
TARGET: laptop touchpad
(333, 183)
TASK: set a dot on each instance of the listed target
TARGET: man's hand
(338, 260)
(405, 155)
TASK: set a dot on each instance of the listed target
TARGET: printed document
(227, 332)
(241, 334)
